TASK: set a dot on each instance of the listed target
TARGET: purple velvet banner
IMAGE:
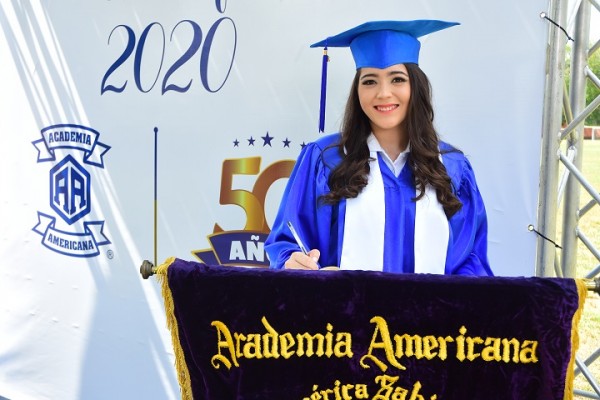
(340, 335)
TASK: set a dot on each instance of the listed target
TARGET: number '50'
(253, 202)
(194, 46)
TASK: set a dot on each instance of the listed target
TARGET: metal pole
(574, 140)
(555, 65)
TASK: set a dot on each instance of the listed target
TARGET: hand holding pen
(302, 259)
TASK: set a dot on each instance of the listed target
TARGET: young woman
(384, 194)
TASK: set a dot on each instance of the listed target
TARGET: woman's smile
(386, 108)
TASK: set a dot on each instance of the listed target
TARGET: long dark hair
(349, 178)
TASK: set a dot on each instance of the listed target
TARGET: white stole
(364, 227)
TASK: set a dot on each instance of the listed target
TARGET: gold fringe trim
(183, 374)
(582, 292)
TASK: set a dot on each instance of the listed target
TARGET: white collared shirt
(396, 165)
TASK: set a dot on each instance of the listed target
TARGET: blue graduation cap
(379, 44)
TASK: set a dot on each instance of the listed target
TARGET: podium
(241, 333)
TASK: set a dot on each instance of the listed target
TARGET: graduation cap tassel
(323, 90)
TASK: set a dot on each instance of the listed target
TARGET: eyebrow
(391, 73)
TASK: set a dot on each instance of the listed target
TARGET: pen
(298, 240)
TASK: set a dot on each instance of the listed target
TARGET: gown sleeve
(300, 205)
(467, 253)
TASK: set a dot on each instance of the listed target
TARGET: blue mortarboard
(379, 44)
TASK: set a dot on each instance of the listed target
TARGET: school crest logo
(70, 184)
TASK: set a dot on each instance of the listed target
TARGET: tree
(591, 90)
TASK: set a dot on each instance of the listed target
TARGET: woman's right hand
(299, 260)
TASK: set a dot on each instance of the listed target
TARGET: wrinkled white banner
(231, 92)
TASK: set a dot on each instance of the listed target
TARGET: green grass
(589, 224)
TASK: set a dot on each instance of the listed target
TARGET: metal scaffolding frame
(572, 103)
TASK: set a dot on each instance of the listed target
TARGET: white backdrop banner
(229, 92)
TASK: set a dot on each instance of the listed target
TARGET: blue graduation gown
(321, 226)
